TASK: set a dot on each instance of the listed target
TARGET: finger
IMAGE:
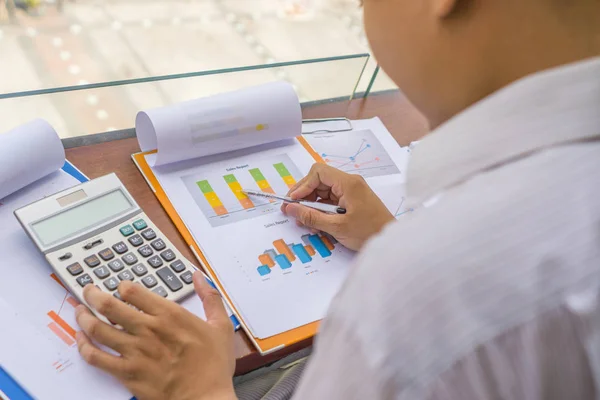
(320, 178)
(101, 332)
(314, 219)
(110, 363)
(211, 301)
(143, 299)
(113, 309)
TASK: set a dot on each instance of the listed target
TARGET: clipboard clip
(345, 126)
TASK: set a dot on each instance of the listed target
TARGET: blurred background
(55, 43)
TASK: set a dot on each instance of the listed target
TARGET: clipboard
(264, 346)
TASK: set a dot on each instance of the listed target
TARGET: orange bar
(53, 276)
(266, 259)
(310, 250)
(220, 210)
(246, 203)
(283, 248)
(73, 301)
(62, 323)
(327, 242)
(63, 336)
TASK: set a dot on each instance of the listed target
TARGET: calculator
(96, 234)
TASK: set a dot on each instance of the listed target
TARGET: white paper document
(28, 153)
(220, 123)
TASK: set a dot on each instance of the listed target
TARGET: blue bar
(283, 261)
(302, 253)
(11, 388)
(319, 246)
(264, 270)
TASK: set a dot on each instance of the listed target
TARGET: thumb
(312, 218)
(211, 301)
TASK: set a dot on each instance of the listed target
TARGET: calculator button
(160, 291)
(116, 265)
(158, 244)
(140, 224)
(130, 258)
(93, 244)
(118, 296)
(75, 269)
(187, 277)
(177, 266)
(136, 240)
(149, 281)
(126, 230)
(106, 254)
(168, 255)
(92, 261)
(139, 270)
(126, 275)
(120, 248)
(149, 234)
(145, 251)
(169, 278)
(65, 256)
(102, 272)
(111, 284)
(155, 261)
(84, 279)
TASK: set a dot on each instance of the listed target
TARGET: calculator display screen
(82, 217)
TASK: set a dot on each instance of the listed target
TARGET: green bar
(257, 175)
(230, 178)
(205, 186)
(283, 171)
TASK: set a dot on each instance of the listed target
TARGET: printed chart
(394, 198)
(219, 194)
(283, 255)
(354, 152)
(58, 323)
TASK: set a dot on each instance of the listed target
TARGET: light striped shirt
(492, 290)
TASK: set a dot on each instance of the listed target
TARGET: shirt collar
(545, 109)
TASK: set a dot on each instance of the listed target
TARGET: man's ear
(443, 8)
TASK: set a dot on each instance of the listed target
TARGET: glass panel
(94, 108)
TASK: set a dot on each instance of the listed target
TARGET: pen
(328, 208)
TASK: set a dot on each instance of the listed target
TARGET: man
(490, 289)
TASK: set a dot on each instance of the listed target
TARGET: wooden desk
(401, 119)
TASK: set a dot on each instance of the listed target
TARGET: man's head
(447, 54)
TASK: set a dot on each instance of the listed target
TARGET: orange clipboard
(264, 346)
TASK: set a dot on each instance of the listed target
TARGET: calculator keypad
(133, 251)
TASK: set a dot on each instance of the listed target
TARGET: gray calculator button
(187, 277)
(75, 269)
(169, 278)
(155, 261)
(130, 258)
(149, 234)
(160, 291)
(126, 275)
(106, 254)
(92, 261)
(111, 284)
(118, 296)
(145, 251)
(168, 255)
(139, 270)
(177, 266)
(84, 279)
(120, 248)
(136, 240)
(149, 281)
(116, 265)
(158, 244)
(102, 272)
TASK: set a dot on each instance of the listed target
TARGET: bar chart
(283, 255)
(218, 192)
(57, 324)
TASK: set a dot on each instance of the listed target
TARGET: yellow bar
(289, 180)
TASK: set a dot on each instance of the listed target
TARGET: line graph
(356, 153)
